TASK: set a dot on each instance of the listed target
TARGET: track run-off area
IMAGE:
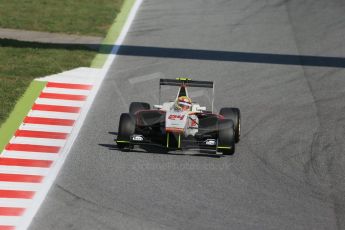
(280, 62)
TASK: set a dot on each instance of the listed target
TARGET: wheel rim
(239, 128)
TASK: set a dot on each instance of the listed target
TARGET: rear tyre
(226, 137)
(126, 129)
(233, 114)
(137, 106)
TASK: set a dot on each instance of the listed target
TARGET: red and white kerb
(35, 147)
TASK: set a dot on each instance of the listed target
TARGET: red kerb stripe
(33, 148)
(69, 86)
(25, 162)
(63, 96)
(40, 134)
(6, 227)
(56, 108)
(20, 178)
(49, 121)
(5, 211)
(16, 194)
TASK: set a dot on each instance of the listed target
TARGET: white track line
(47, 101)
(48, 114)
(46, 128)
(38, 141)
(122, 36)
(66, 91)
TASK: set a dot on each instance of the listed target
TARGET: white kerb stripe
(15, 203)
(24, 170)
(38, 141)
(49, 114)
(66, 91)
(10, 220)
(46, 128)
(20, 186)
(46, 101)
(30, 155)
(75, 78)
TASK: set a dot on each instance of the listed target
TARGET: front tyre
(126, 129)
(233, 114)
(226, 137)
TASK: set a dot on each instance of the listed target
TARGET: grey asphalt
(288, 170)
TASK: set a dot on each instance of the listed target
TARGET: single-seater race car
(181, 123)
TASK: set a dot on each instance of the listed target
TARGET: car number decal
(174, 117)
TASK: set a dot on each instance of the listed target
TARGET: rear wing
(188, 83)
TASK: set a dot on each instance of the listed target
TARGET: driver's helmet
(183, 103)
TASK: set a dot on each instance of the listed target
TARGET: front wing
(174, 141)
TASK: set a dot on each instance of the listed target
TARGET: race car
(181, 123)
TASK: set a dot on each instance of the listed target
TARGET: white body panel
(181, 121)
(176, 121)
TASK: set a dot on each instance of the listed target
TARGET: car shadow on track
(152, 149)
(159, 150)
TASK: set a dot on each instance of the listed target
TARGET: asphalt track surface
(288, 170)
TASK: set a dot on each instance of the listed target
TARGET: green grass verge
(86, 17)
(20, 111)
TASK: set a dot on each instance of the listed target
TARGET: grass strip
(83, 17)
(19, 112)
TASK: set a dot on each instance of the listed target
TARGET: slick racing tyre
(126, 129)
(226, 137)
(137, 106)
(235, 115)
